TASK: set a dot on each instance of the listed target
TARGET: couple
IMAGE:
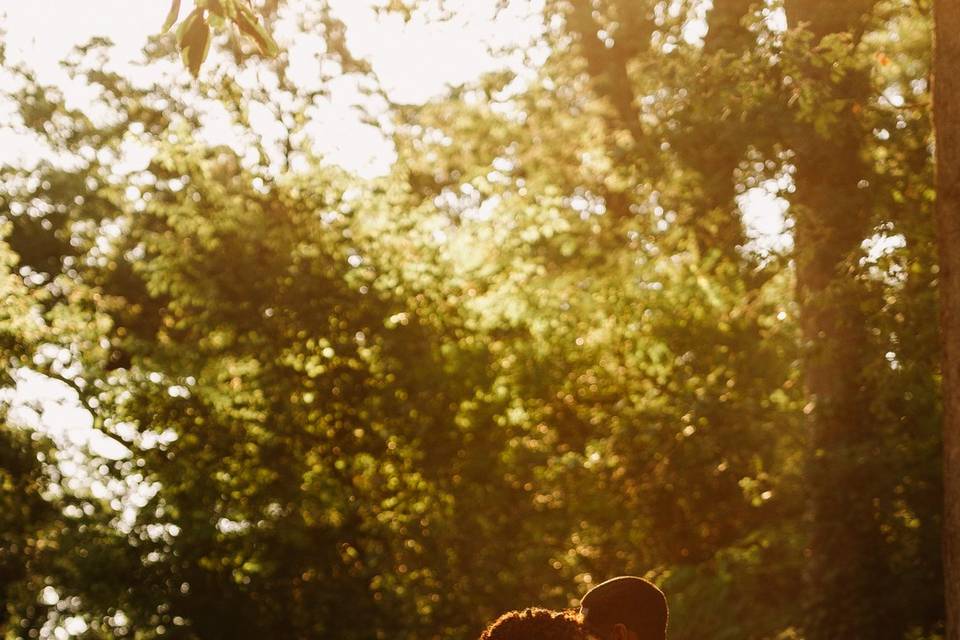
(624, 608)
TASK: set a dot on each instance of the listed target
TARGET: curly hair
(536, 624)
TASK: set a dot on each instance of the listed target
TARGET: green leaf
(195, 42)
(172, 16)
(229, 8)
(187, 24)
(215, 7)
(247, 22)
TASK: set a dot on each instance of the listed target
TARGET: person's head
(536, 624)
(625, 608)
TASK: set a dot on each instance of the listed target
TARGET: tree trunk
(947, 120)
(726, 29)
(850, 588)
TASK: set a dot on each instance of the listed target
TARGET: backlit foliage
(540, 351)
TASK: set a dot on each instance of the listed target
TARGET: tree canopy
(543, 349)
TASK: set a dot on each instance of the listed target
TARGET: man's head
(625, 608)
(536, 624)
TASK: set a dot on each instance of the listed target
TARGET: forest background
(540, 346)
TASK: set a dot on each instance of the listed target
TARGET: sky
(414, 61)
(406, 56)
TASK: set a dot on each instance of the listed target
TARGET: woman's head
(536, 624)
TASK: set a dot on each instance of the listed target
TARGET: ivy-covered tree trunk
(713, 157)
(947, 119)
(849, 585)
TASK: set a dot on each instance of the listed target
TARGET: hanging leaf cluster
(194, 32)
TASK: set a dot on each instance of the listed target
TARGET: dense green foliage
(538, 353)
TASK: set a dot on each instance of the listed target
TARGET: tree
(813, 116)
(832, 217)
(947, 118)
(27, 519)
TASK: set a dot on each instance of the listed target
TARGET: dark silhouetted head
(625, 608)
(536, 624)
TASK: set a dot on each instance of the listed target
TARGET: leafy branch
(194, 31)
